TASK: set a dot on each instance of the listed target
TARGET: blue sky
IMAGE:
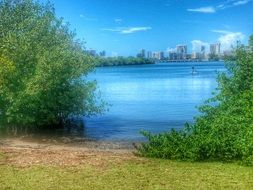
(123, 27)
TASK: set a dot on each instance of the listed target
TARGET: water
(155, 98)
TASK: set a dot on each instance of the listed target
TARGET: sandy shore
(24, 153)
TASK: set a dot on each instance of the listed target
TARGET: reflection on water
(75, 129)
(155, 98)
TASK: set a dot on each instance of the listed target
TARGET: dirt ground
(22, 153)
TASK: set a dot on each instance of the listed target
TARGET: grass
(150, 174)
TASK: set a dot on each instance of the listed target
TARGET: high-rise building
(142, 53)
(202, 53)
(102, 54)
(149, 55)
(172, 56)
(181, 51)
(154, 55)
(215, 49)
(203, 49)
(158, 55)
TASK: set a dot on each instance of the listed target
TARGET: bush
(224, 131)
(41, 66)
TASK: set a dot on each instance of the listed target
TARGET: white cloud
(118, 20)
(220, 6)
(224, 5)
(110, 29)
(135, 29)
(209, 9)
(172, 50)
(227, 39)
(230, 39)
(232, 3)
(87, 18)
(242, 2)
(127, 30)
(196, 45)
(221, 31)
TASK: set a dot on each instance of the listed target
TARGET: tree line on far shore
(119, 61)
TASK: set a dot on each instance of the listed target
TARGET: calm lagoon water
(155, 98)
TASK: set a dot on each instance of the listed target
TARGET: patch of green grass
(153, 174)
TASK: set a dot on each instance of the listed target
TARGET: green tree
(42, 67)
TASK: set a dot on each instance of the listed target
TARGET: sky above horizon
(123, 27)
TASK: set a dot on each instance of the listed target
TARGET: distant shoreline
(159, 62)
(186, 61)
(125, 65)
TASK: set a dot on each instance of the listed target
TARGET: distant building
(181, 49)
(215, 49)
(181, 52)
(161, 55)
(155, 55)
(172, 56)
(91, 52)
(194, 55)
(102, 54)
(149, 55)
(197, 56)
(228, 53)
(202, 53)
(158, 55)
(142, 53)
(203, 49)
(188, 56)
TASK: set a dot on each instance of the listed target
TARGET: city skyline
(180, 53)
(124, 27)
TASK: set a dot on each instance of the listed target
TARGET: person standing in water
(194, 71)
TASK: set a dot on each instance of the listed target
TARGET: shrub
(224, 131)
